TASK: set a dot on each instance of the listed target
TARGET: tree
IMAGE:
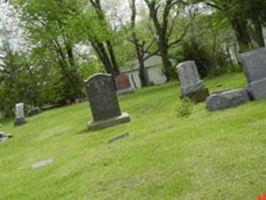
(163, 15)
(17, 81)
(47, 25)
(246, 17)
(104, 49)
(141, 47)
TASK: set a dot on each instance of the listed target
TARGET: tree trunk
(241, 30)
(167, 65)
(115, 67)
(259, 33)
(103, 55)
(104, 49)
(140, 51)
(162, 33)
(143, 74)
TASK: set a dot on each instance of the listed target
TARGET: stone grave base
(258, 89)
(227, 99)
(123, 118)
(197, 96)
(19, 121)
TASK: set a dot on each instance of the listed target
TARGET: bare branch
(183, 34)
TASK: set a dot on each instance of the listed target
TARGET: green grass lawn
(208, 156)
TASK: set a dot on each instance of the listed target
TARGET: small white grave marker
(42, 163)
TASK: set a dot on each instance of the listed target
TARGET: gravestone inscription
(192, 86)
(103, 101)
(254, 65)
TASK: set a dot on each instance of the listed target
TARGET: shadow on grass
(85, 131)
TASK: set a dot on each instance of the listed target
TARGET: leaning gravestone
(19, 110)
(191, 85)
(254, 64)
(103, 101)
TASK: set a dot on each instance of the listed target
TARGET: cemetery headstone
(227, 99)
(20, 118)
(254, 65)
(123, 85)
(103, 101)
(192, 86)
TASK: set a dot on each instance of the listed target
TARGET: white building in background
(154, 68)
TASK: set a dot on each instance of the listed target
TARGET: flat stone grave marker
(20, 118)
(254, 65)
(118, 137)
(192, 86)
(227, 99)
(42, 163)
(103, 101)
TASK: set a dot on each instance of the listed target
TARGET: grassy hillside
(206, 156)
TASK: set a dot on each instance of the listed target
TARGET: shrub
(185, 108)
(207, 59)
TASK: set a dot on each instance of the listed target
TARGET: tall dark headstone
(254, 64)
(103, 101)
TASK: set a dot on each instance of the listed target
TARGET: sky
(10, 27)
(9, 21)
(118, 12)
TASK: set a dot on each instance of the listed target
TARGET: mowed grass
(206, 156)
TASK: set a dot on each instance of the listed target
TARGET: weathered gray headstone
(20, 118)
(103, 101)
(227, 99)
(254, 65)
(192, 86)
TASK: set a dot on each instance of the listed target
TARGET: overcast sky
(9, 27)
(117, 11)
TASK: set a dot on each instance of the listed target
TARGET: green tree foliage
(53, 43)
(247, 18)
(206, 43)
(17, 82)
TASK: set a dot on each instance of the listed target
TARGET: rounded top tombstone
(189, 77)
(102, 96)
(188, 73)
